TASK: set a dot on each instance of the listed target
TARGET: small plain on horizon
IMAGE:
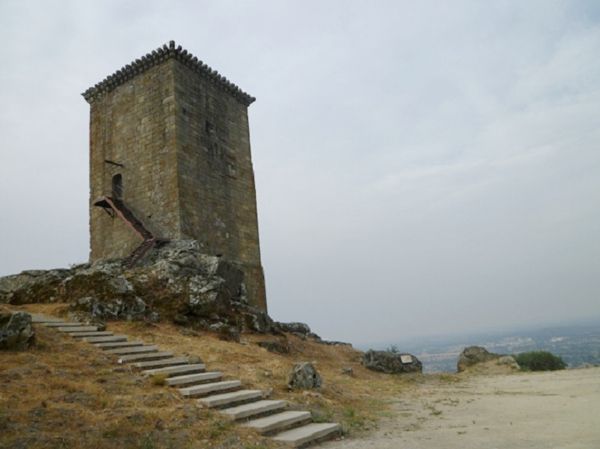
(421, 168)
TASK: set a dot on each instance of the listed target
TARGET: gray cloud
(421, 168)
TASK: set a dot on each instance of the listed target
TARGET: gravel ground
(557, 410)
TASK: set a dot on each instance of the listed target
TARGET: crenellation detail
(161, 55)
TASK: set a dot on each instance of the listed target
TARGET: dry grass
(159, 379)
(67, 394)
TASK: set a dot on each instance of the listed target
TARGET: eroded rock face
(301, 329)
(473, 355)
(116, 308)
(21, 288)
(175, 281)
(391, 362)
(16, 331)
(304, 376)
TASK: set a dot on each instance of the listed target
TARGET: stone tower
(170, 159)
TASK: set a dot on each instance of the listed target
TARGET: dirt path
(554, 410)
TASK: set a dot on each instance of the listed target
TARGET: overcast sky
(421, 167)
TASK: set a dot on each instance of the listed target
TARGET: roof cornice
(158, 56)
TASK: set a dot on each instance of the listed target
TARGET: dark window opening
(117, 186)
(210, 128)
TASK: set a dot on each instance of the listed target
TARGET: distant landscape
(577, 344)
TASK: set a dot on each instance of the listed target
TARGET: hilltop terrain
(557, 409)
(67, 394)
(64, 393)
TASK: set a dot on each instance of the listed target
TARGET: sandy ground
(552, 410)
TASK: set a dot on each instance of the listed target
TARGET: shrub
(540, 361)
(159, 379)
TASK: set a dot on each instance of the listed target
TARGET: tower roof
(157, 56)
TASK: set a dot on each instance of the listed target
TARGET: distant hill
(577, 344)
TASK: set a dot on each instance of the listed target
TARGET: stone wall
(134, 125)
(215, 174)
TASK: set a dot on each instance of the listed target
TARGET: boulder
(473, 355)
(391, 362)
(16, 331)
(255, 319)
(348, 371)
(510, 362)
(304, 376)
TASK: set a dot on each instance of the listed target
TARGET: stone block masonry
(170, 138)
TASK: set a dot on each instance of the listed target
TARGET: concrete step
(118, 344)
(280, 421)
(203, 390)
(253, 409)
(229, 399)
(70, 329)
(176, 370)
(91, 334)
(144, 357)
(133, 350)
(63, 324)
(38, 318)
(308, 434)
(172, 361)
(112, 338)
(194, 378)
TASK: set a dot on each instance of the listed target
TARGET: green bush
(540, 361)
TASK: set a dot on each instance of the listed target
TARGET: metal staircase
(117, 207)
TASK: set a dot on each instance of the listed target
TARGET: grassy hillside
(68, 394)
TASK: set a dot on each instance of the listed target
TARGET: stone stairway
(249, 407)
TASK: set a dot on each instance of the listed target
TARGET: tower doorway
(117, 186)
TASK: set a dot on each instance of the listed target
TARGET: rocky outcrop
(304, 376)
(302, 330)
(391, 362)
(32, 286)
(16, 331)
(175, 281)
(348, 371)
(298, 329)
(473, 355)
(478, 355)
(116, 308)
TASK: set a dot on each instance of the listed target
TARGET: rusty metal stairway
(118, 208)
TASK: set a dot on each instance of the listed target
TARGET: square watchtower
(170, 156)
